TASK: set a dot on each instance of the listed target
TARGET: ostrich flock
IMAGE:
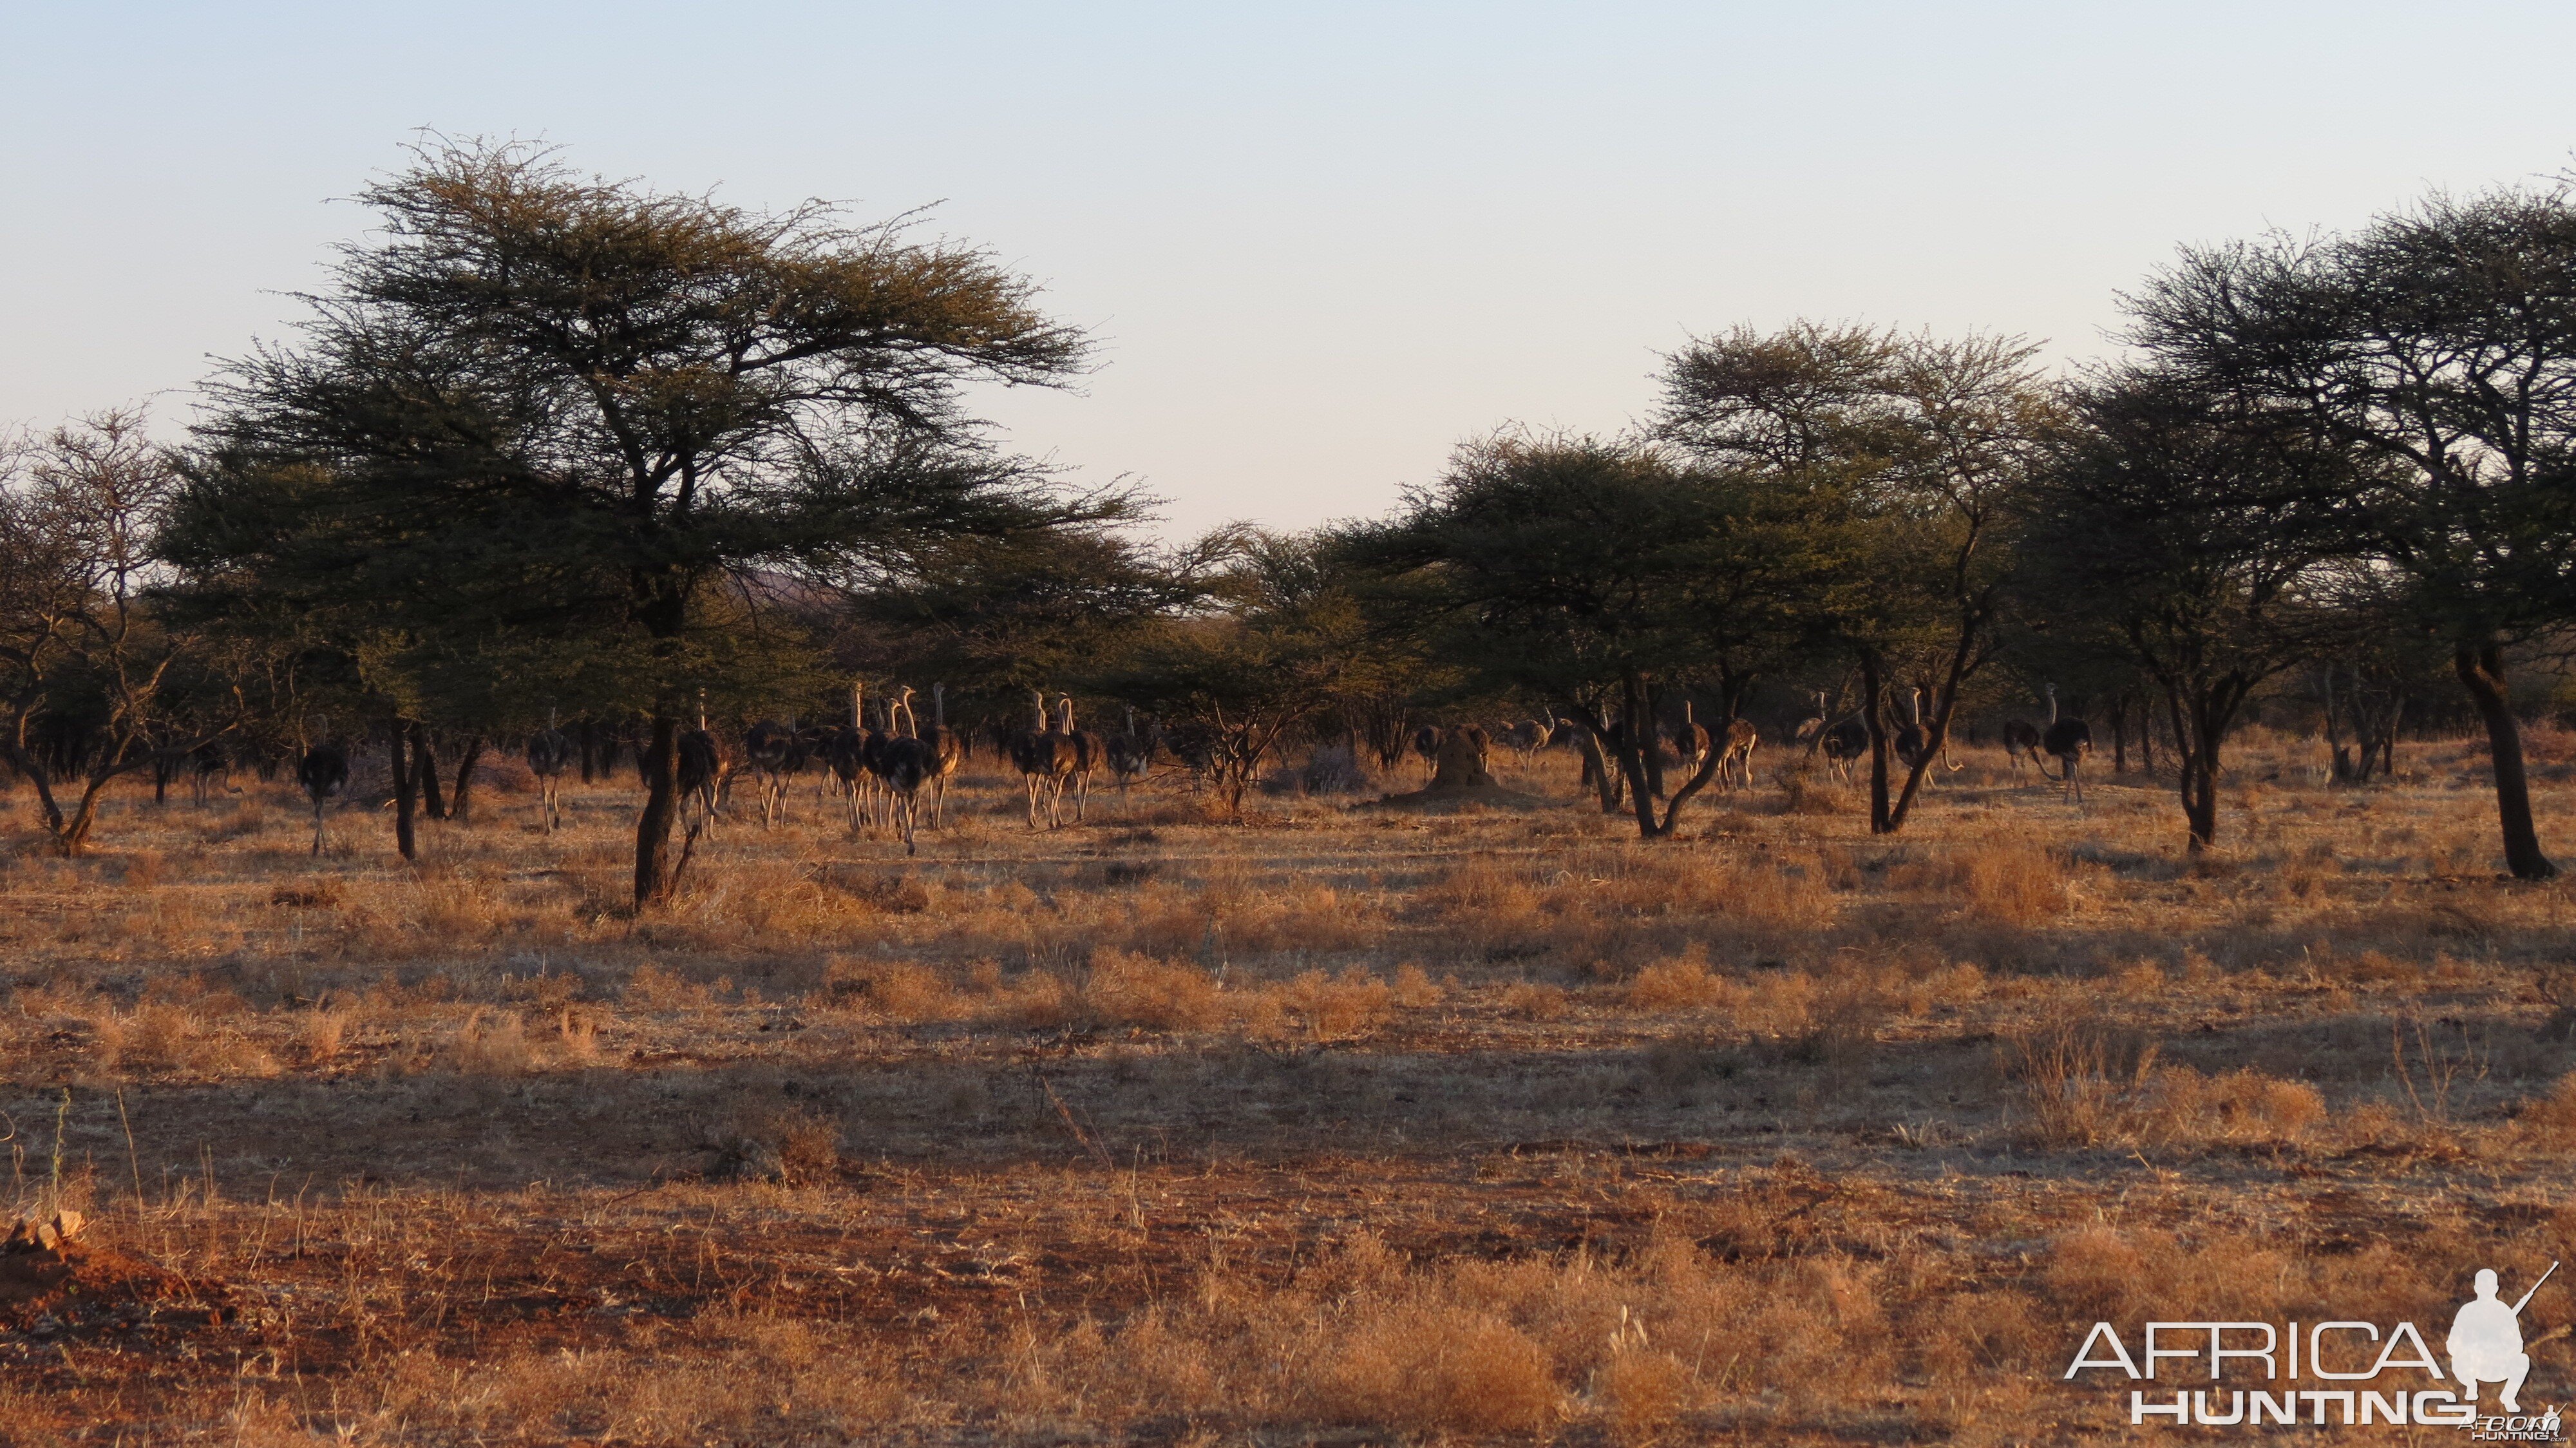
(887, 768)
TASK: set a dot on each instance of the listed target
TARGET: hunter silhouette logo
(2486, 1341)
(2340, 1373)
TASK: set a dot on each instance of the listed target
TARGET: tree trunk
(1873, 715)
(1651, 747)
(2199, 779)
(654, 878)
(588, 735)
(464, 778)
(2481, 671)
(1632, 769)
(1636, 742)
(406, 793)
(74, 836)
(1589, 736)
(48, 810)
(425, 759)
(2120, 733)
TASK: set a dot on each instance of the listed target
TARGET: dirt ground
(1339, 1125)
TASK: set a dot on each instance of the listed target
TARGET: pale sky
(1319, 244)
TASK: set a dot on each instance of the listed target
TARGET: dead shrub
(1683, 983)
(321, 1034)
(1485, 900)
(2549, 1122)
(160, 1036)
(900, 992)
(1334, 1009)
(2099, 1273)
(652, 988)
(1533, 1000)
(577, 1035)
(1432, 1367)
(1415, 989)
(1126, 989)
(793, 1147)
(2072, 1078)
(1644, 1391)
(2182, 1106)
(489, 1043)
(1843, 1032)
(2088, 1085)
(2009, 884)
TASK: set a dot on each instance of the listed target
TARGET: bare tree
(87, 668)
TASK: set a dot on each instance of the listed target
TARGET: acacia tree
(1280, 637)
(91, 675)
(1592, 573)
(2442, 339)
(1035, 610)
(542, 405)
(1905, 452)
(2194, 536)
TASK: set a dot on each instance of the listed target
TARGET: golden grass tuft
(1682, 983)
(2009, 884)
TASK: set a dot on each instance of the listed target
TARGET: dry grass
(1497, 1127)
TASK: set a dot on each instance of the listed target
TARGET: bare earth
(1338, 1126)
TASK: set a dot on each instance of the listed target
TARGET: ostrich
(207, 763)
(1735, 766)
(550, 753)
(1691, 740)
(701, 768)
(1915, 740)
(1131, 753)
(846, 752)
(2066, 740)
(878, 757)
(324, 773)
(903, 763)
(1426, 747)
(769, 749)
(1525, 738)
(944, 752)
(813, 750)
(1844, 741)
(1912, 741)
(2022, 739)
(1090, 752)
(1044, 757)
(1810, 730)
(1194, 743)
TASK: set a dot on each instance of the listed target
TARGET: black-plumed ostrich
(1090, 752)
(550, 754)
(944, 752)
(324, 774)
(2066, 740)
(1131, 753)
(700, 769)
(1045, 757)
(903, 762)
